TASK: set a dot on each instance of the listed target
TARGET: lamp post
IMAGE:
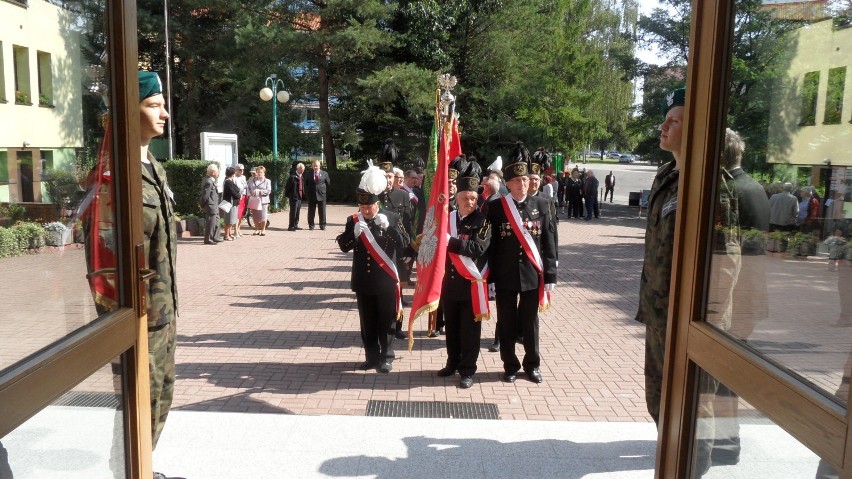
(266, 94)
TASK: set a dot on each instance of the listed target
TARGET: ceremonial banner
(96, 214)
(432, 254)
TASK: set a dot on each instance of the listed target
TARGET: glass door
(73, 343)
(760, 331)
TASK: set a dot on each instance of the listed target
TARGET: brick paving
(269, 324)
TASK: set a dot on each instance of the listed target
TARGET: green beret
(673, 99)
(149, 84)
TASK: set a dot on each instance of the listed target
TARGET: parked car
(613, 154)
(594, 154)
(625, 158)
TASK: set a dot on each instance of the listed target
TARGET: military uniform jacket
(397, 201)
(511, 269)
(659, 247)
(160, 244)
(474, 236)
(367, 275)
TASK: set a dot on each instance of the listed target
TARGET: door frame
(36, 381)
(691, 344)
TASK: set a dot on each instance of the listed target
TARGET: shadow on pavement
(434, 457)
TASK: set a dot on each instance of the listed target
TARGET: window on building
(46, 161)
(810, 89)
(4, 167)
(834, 96)
(45, 79)
(23, 93)
(2, 76)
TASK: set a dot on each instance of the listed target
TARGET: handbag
(255, 203)
(225, 206)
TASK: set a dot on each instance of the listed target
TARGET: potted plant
(79, 235)
(54, 234)
(776, 241)
(21, 98)
(754, 240)
(801, 244)
(44, 100)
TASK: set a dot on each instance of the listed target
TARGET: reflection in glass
(734, 440)
(81, 435)
(781, 266)
(50, 178)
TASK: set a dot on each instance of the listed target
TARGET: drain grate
(425, 409)
(89, 399)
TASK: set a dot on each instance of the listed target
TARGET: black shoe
(299, 228)
(520, 340)
(509, 377)
(495, 346)
(535, 376)
(446, 372)
(466, 382)
(291, 228)
(367, 365)
(310, 227)
(322, 228)
(400, 335)
(385, 367)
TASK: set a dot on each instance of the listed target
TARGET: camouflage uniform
(160, 249)
(656, 278)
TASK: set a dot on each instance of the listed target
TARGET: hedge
(185, 177)
(16, 240)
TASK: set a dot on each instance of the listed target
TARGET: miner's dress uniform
(462, 329)
(655, 281)
(375, 290)
(162, 298)
(516, 279)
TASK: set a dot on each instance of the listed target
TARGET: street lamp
(266, 94)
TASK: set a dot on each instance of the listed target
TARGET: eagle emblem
(429, 244)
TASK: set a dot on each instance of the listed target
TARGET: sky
(647, 55)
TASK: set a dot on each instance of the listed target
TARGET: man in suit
(209, 203)
(377, 237)
(316, 185)
(464, 307)
(609, 184)
(295, 191)
(590, 195)
(522, 259)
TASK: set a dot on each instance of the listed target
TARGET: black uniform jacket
(474, 236)
(511, 269)
(367, 275)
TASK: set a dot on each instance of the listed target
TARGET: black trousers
(518, 311)
(377, 313)
(295, 209)
(463, 335)
(575, 206)
(610, 192)
(313, 207)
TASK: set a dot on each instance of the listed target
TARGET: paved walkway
(269, 324)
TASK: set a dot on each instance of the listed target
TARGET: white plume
(373, 180)
(496, 165)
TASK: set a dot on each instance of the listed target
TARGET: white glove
(549, 287)
(448, 237)
(382, 221)
(360, 227)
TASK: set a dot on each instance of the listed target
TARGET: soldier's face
(671, 131)
(368, 211)
(518, 186)
(398, 181)
(152, 117)
(389, 176)
(466, 200)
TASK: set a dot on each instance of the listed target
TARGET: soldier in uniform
(377, 237)
(465, 307)
(522, 259)
(659, 247)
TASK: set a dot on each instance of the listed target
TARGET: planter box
(181, 229)
(57, 238)
(776, 245)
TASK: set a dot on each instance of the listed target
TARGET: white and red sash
(384, 261)
(530, 249)
(411, 196)
(467, 268)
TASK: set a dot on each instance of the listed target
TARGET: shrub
(33, 234)
(185, 177)
(14, 212)
(9, 245)
(63, 189)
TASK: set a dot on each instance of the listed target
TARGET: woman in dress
(231, 194)
(259, 188)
